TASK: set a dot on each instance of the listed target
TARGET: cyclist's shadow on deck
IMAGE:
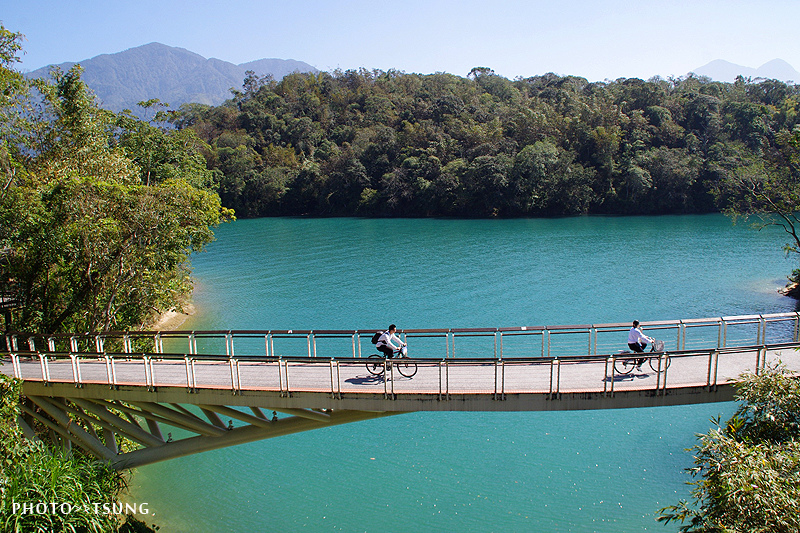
(365, 380)
(373, 379)
(628, 377)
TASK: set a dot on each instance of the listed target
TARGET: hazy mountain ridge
(173, 75)
(721, 70)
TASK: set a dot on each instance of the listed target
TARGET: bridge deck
(328, 382)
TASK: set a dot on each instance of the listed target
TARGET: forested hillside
(377, 143)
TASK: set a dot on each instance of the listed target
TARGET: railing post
(444, 379)
(11, 341)
(234, 364)
(15, 365)
(503, 380)
(761, 359)
(724, 333)
(555, 370)
(229, 345)
(663, 366)
(796, 326)
(111, 371)
(336, 391)
(147, 380)
(713, 368)
(189, 384)
(285, 378)
(385, 379)
(390, 371)
(548, 341)
(499, 372)
(238, 377)
(280, 374)
(447, 342)
(45, 368)
(76, 370)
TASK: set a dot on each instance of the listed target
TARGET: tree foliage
(33, 473)
(749, 468)
(768, 190)
(99, 212)
(387, 143)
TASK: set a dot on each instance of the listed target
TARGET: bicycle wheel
(624, 366)
(375, 364)
(654, 362)
(405, 368)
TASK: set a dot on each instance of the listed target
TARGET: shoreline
(171, 320)
(791, 290)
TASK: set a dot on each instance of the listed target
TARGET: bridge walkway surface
(139, 384)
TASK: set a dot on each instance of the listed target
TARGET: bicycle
(377, 364)
(626, 365)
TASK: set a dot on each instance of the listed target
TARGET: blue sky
(601, 39)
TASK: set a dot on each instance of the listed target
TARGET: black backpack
(376, 337)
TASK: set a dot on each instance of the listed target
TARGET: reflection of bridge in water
(212, 389)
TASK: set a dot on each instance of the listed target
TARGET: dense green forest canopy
(377, 143)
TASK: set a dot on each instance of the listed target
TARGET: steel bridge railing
(497, 343)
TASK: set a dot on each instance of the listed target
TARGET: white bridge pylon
(177, 393)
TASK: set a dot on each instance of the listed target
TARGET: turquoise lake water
(579, 471)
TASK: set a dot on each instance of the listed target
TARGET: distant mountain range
(177, 76)
(721, 70)
(173, 75)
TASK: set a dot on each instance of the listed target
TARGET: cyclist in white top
(637, 341)
(385, 343)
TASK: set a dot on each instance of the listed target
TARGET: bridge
(182, 392)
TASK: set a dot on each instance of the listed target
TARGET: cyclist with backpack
(384, 342)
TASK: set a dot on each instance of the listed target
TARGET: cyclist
(385, 344)
(637, 341)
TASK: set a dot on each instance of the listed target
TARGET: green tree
(31, 472)
(748, 469)
(92, 255)
(161, 153)
(769, 191)
(98, 213)
(13, 85)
